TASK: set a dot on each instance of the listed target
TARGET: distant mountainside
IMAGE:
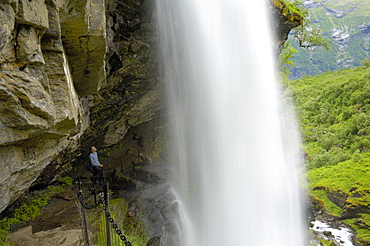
(334, 116)
(346, 23)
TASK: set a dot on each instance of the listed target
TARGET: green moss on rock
(289, 11)
(130, 225)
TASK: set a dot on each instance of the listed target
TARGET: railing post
(106, 198)
(94, 190)
(83, 214)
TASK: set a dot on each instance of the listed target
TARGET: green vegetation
(306, 35)
(160, 146)
(130, 225)
(28, 211)
(292, 11)
(285, 60)
(326, 243)
(66, 180)
(334, 115)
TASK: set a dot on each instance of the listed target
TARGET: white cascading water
(234, 155)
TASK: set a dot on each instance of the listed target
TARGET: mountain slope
(347, 25)
(334, 115)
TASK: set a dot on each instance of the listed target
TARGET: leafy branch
(308, 36)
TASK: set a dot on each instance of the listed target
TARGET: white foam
(342, 235)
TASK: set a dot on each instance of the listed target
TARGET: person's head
(93, 149)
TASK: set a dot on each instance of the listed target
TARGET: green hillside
(334, 115)
(346, 23)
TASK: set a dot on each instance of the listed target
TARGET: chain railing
(155, 241)
(112, 221)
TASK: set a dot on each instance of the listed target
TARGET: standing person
(95, 164)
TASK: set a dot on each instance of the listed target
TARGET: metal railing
(104, 200)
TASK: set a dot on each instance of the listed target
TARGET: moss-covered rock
(127, 222)
(286, 17)
(289, 11)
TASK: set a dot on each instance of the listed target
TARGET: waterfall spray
(235, 165)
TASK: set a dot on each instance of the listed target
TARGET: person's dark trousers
(98, 173)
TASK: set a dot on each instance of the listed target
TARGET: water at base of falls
(341, 235)
(234, 151)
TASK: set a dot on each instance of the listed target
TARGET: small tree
(307, 35)
(285, 62)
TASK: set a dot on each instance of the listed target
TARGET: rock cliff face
(51, 55)
(74, 73)
(131, 94)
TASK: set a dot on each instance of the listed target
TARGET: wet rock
(151, 173)
(327, 233)
(159, 211)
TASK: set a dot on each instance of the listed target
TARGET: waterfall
(234, 153)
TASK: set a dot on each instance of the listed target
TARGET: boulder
(57, 236)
